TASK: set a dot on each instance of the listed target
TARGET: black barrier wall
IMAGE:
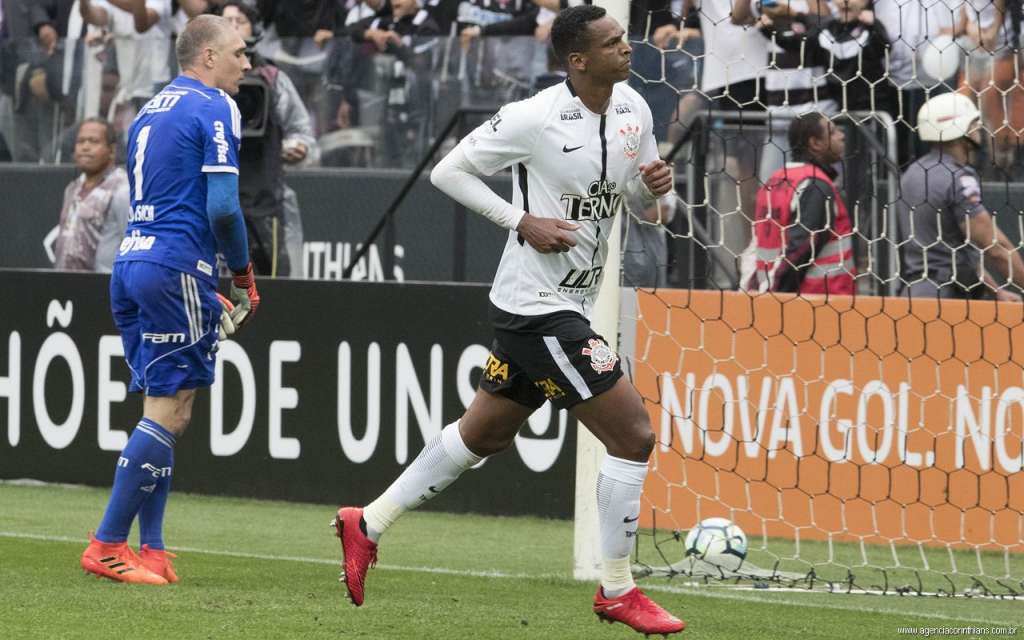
(325, 397)
(428, 239)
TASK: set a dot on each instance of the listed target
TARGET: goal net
(866, 442)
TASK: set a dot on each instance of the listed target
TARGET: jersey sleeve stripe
(236, 118)
(565, 366)
(216, 169)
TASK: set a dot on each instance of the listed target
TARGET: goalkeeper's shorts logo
(602, 358)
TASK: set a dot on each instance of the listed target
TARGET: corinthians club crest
(602, 358)
(630, 141)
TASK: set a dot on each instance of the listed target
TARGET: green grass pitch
(254, 569)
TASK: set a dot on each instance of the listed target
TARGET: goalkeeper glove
(227, 325)
(244, 296)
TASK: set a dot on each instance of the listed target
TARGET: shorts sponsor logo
(221, 140)
(630, 141)
(164, 338)
(550, 389)
(602, 358)
(495, 370)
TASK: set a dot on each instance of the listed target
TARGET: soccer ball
(717, 541)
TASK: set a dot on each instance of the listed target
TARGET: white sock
(619, 485)
(441, 461)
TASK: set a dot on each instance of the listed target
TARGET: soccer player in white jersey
(576, 150)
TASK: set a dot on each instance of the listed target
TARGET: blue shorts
(169, 326)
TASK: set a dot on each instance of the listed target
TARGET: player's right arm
(504, 140)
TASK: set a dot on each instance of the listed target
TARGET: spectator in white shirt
(142, 42)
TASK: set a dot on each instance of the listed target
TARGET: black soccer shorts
(555, 357)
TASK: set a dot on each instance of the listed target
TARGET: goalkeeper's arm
(228, 225)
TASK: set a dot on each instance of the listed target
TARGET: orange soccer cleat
(159, 562)
(116, 560)
(360, 553)
(636, 610)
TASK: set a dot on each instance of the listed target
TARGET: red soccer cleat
(159, 562)
(636, 610)
(117, 561)
(360, 553)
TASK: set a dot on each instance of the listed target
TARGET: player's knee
(642, 441)
(178, 419)
(486, 444)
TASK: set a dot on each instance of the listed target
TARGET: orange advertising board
(881, 419)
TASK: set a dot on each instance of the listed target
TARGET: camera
(253, 102)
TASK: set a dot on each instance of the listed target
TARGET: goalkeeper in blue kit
(183, 183)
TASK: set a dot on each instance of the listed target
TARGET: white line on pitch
(694, 590)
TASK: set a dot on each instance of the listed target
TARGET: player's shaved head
(570, 32)
(202, 32)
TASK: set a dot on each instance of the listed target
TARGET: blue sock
(151, 515)
(146, 459)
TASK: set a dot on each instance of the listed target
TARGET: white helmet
(947, 117)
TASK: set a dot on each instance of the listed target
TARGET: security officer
(947, 238)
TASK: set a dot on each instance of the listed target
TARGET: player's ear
(577, 61)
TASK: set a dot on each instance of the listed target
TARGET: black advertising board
(428, 239)
(325, 397)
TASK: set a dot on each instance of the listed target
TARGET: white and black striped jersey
(567, 163)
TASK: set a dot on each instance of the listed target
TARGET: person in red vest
(803, 238)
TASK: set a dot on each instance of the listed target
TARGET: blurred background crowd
(372, 83)
(367, 82)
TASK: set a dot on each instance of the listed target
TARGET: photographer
(276, 131)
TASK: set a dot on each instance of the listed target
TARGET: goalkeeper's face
(230, 62)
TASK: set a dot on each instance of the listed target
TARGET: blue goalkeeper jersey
(184, 132)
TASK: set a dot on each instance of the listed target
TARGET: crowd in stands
(388, 71)
(370, 82)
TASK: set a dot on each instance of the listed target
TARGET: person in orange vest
(803, 238)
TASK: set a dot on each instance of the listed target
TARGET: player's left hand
(657, 176)
(227, 325)
(244, 296)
